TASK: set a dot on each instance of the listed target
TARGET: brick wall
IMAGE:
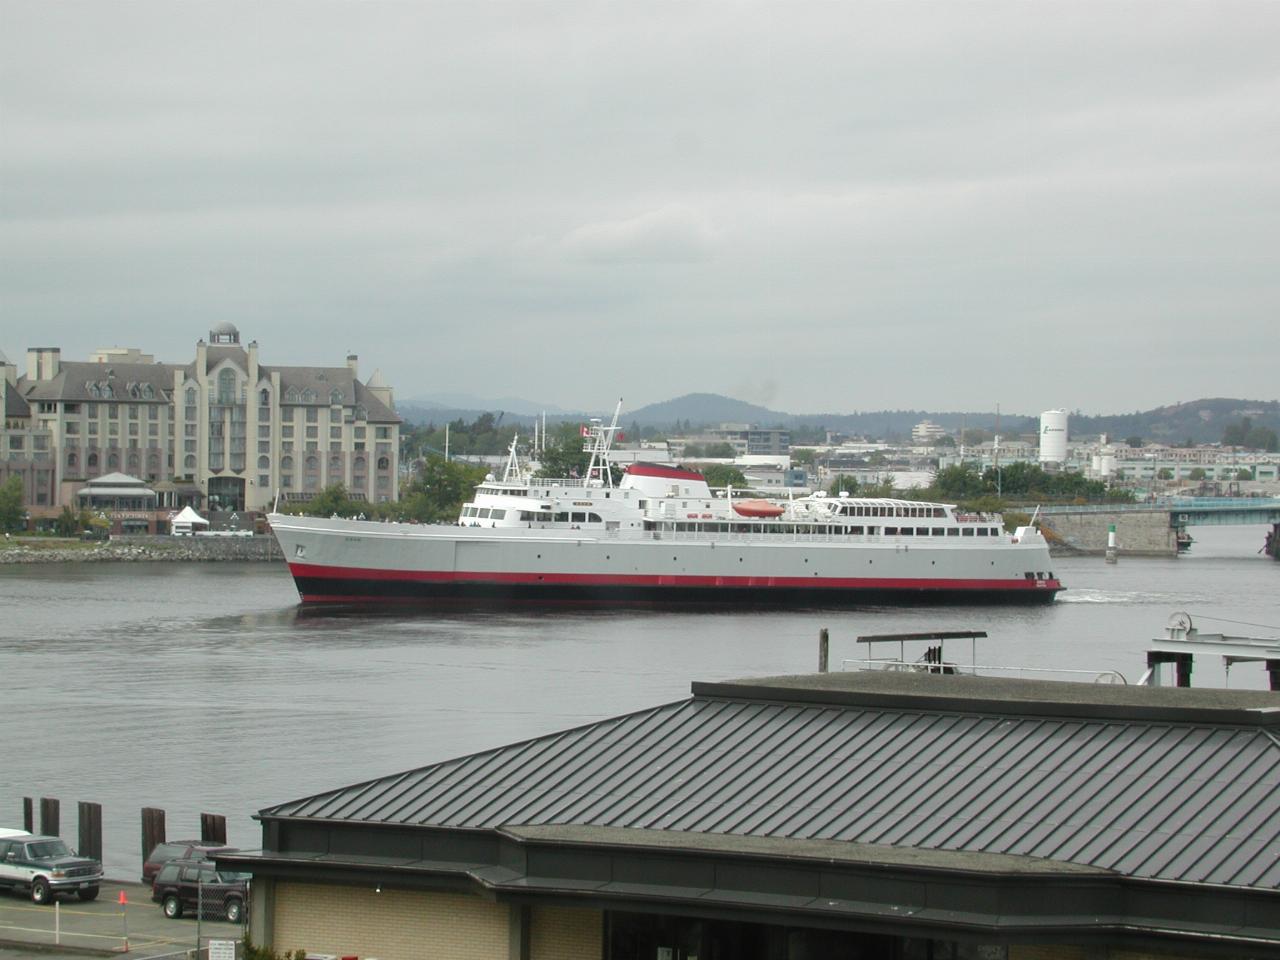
(563, 933)
(392, 925)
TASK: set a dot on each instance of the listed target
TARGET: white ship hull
(354, 561)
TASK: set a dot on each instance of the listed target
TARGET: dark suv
(177, 850)
(45, 867)
(190, 884)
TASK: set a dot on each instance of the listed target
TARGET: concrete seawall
(1138, 534)
(143, 549)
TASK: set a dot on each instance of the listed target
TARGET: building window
(264, 480)
(93, 461)
(72, 461)
(113, 461)
(384, 463)
(286, 463)
(312, 415)
(382, 433)
(286, 431)
(227, 387)
(264, 432)
(264, 398)
(264, 446)
(264, 463)
(189, 462)
(335, 433)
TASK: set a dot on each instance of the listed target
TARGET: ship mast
(601, 439)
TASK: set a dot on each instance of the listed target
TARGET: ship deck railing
(975, 669)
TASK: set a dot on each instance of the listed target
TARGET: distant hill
(1201, 421)
(704, 409)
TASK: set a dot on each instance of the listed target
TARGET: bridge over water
(1152, 528)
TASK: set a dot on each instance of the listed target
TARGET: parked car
(187, 884)
(45, 867)
(162, 853)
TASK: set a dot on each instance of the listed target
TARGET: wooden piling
(824, 648)
(28, 815)
(152, 830)
(213, 828)
(49, 817)
(90, 830)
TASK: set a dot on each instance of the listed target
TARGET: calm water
(200, 687)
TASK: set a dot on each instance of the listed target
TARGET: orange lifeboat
(757, 508)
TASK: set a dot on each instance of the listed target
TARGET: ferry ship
(659, 534)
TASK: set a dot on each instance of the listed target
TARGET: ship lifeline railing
(978, 669)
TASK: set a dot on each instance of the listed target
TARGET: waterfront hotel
(224, 432)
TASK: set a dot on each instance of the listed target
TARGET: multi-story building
(225, 430)
(926, 431)
(750, 440)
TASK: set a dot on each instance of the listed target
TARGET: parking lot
(105, 927)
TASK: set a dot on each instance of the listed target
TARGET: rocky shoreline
(143, 550)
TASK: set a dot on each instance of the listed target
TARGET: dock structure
(1153, 528)
(1182, 641)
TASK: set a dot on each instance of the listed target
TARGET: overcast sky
(829, 206)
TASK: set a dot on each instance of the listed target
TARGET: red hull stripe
(656, 470)
(313, 571)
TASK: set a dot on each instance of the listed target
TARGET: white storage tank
(1053, 436)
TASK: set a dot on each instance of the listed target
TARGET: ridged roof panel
(1186, 801)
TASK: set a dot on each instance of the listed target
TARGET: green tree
(693, 450)
(1244, 473)
(1197, 473)
(1134, 442)
(1234, 434)
(11, 507)
(802, 457)
(1262, 438)
(564, 454)
(438, 492)
(71, 521)
(958, 483)
(724, 475)
(945, 441)
(843, 483)
(719, 451)
(331, 501)
(1164, 473)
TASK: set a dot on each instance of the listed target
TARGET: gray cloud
(845, 205)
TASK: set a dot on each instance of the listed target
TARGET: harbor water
(202, 687)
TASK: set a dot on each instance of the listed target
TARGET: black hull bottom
(323, 591)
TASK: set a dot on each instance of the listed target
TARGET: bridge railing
(1172, 504)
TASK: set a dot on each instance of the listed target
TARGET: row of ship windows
(825, 530)
(863, 510)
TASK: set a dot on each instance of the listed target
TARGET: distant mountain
(1201, 421)
(708, 409)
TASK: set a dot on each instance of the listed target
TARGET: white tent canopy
(182, 524)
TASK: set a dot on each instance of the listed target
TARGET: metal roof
(1133, 783)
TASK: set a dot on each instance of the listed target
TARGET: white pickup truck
(45, 867)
